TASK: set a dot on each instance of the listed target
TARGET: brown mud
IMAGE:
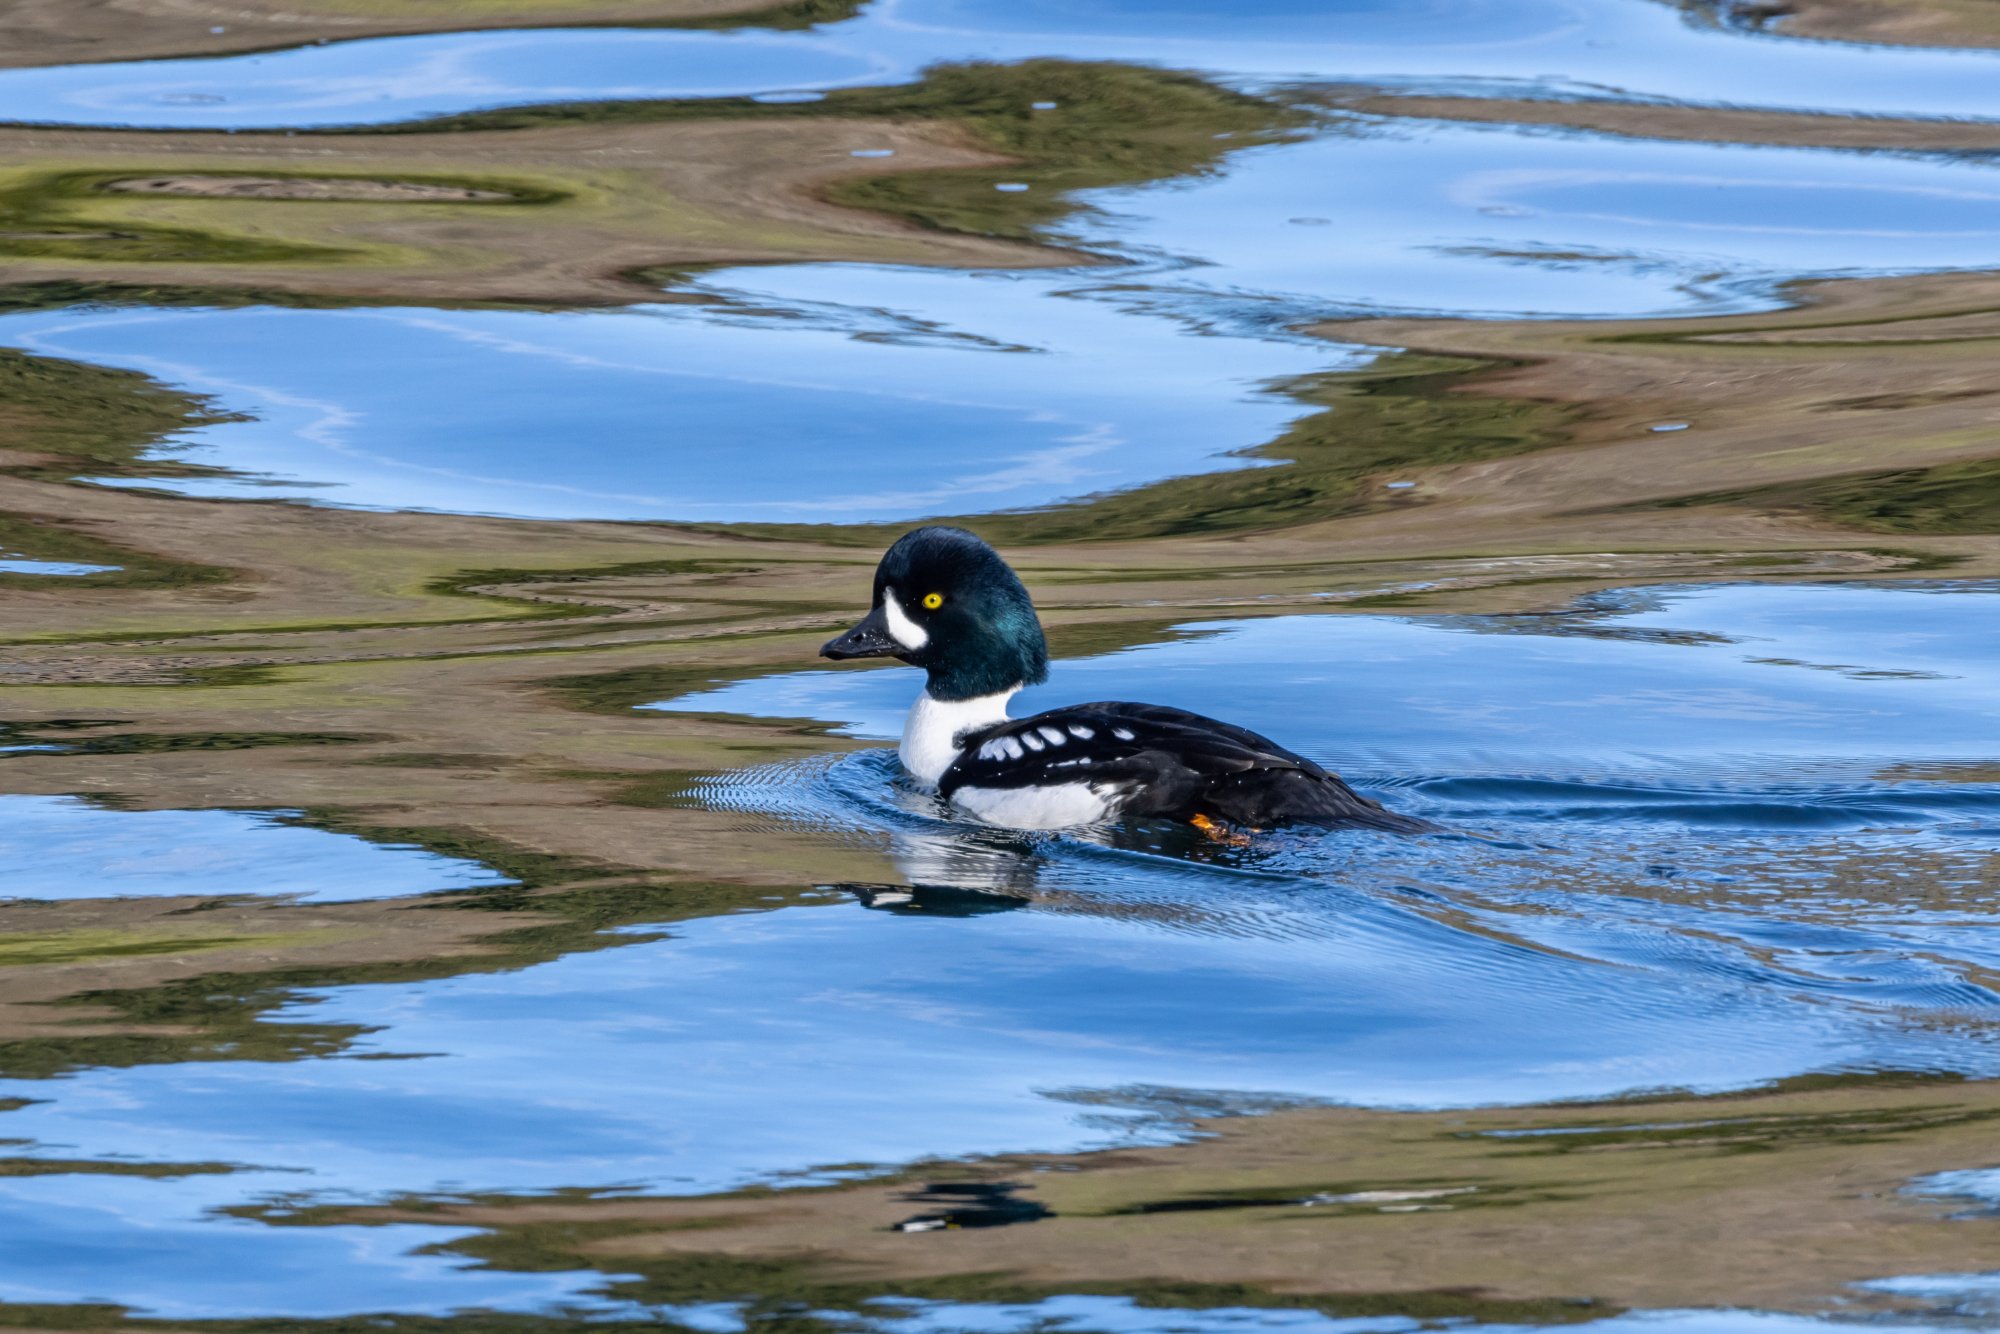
(1894, 22)
(71, 32)
(1697, 124)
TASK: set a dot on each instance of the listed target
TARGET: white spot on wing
(1080, 732)
(1121, 734)
(901, 628)
(1011, 746)
(1054, 734)
(1032, 741)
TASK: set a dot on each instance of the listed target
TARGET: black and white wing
(1146, 760)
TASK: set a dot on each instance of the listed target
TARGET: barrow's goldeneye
(945, 601)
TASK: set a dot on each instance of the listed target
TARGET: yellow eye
(932, 601)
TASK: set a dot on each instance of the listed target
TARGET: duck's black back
(1154, 761)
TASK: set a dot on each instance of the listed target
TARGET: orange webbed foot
(1219, 833)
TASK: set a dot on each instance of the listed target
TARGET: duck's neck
(930, 735)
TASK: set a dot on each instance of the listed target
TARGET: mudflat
(67, 32)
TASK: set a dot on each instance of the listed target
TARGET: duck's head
(946, 602)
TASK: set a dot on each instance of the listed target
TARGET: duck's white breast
(930, 734)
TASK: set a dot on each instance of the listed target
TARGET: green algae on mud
(1748, 1134)
(1949, 499)
(783, 16)
(778, 16)
(41, 218)
(61, 293)
(41, 538)
(1113, 125)
(94, 416)
(79, 215)
(98, 420)
(306, 187)
(18, 949)
(100, 1167)
(80, 737)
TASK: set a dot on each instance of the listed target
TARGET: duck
(947, 602)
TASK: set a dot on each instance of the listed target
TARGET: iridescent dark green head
(947, 602)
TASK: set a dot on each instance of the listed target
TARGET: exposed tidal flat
(444, 895)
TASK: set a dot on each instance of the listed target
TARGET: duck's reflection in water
(1145, 871)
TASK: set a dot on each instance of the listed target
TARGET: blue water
(950, 391)
(1688, 851)
(1622, 49)
(69, 848)
(64, 569)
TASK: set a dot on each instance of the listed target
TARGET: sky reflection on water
(1591, 48)
(67, 848)
(1019, 398)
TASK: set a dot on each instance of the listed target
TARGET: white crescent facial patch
(901, 628)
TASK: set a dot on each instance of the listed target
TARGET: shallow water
(1701, 839)
(1625, 49)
